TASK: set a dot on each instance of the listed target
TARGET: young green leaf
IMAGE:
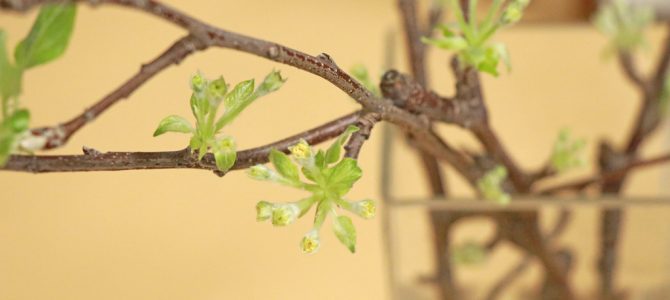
(271, 83)
(10, 130)
(239, 94)
(344, 175)
(225, 154)
(10, 77)
(19, 120)
(284, 166)
(490, 186)
(345, 232)
(360, 72)
(49, 36)
(173, 124)
(333, 153)
(567, 152)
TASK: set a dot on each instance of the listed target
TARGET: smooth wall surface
(186, 234)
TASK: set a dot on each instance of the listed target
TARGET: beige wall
(191, 235)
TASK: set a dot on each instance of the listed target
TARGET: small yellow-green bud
(285, 214)
(310, 242)
(260, 172)
(198, 82)
(264, 210)
(217, 89)
(365, 208)
(301, 150)
(512, 14)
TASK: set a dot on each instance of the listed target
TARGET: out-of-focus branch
(606, 177)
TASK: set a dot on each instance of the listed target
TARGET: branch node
(90, 151)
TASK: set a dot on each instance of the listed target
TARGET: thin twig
(56, 136)
(358, 138)
(181, 159)
(581, 184)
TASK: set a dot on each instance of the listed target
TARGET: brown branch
(605, 177)
(514, 273)
(629, 68)
(56, 136)
(358, 138)
(322, 66)
(647, 121)
(434, 17)
(416, 56)
(182, 159)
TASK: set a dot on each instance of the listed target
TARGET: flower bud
(264, 210)
(198, 82)
(302, 153)
(365, 208)
(310, 242)
(216, 90)
(285, 214)
(261, 172)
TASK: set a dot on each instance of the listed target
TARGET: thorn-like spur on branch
(56, 136)
(93, 160)
(365, 124)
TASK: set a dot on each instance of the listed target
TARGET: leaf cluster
(206, 98)
(329, 177)
(47, 40)
(470, 38)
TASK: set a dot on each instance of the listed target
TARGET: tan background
(188, 234)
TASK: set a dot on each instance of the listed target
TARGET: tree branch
(56, 136)
(93, 160)
(365, 123)
(606, 176)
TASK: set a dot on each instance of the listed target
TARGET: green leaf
(503, 54)
(225, 154)
(10, 77)
(490, 186)
(173, 124)
(453, 43)
(10, 130)
(236, 100)
(271, 83)
(567, 152)
(239, 94)
(19, 120)
(343, 176)
(49, 36)
(361, 74)
(320, 157)
(284, 165)
(333, 153)
(345, 232)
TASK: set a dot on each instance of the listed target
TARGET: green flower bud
(285, 214)
(512, 14)
(264, 210)
(310, 242)
(216, 90)
(261, 172)
(302, 153)
(365, 208)
(198, 82)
